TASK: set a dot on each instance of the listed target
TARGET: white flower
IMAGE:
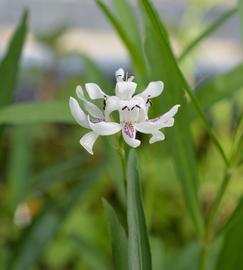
(132, 109)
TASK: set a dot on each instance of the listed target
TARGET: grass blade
(211, 28)
(221, 87)
(19, 165)
(118, 238)
(46, 112)
(9, 66)
(137, 59)
(128, 21)
(163, 67)
(138, 244)
(230, 257)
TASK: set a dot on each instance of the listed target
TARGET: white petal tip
(94, 91)
(79, 91)
(72, 101)
(120, 73)
(88, 140)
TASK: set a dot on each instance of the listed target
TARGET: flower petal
(157, 136)
(104, 128)
(94, 91)
(78, 113)
(166, 120)
(111, 104)
(125, 90)
(88, 140)
(129, 134)
(120, 74)
(89, 107)
(154, 89)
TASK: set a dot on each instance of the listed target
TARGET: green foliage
(43, 230)
(118, 238)
(9, 65)
(230, 257)
(43, 166)
(41, 112)
(163, 67)
(138, 244)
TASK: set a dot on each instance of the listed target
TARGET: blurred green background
(51, 215)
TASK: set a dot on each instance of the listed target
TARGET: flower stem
(122, 153)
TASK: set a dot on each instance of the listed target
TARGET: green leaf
(9, 65)
(211, 28)
(234, 218)
(220, 87)
(36, 113)
(230, 257)
(19, 164)
(42, 231)
(163, 67)
(139, 255)
(118, 238)
(137, 58)
(127, 18)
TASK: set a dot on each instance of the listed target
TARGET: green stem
(203, 263)
(217, 202)
(122, 153)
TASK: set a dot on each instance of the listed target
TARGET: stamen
(104, 102)
(125, 107)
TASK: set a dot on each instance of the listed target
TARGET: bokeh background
(51, 214)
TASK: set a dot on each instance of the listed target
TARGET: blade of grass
(211, 28)
(118, 238)
(157, 31)
(127, 19)
(19, 165)
(163, 67)
(220, 87)
(139, 255)
(137, 59)
(36, 113)
(9, 66)
(230, 257)
(234, 219)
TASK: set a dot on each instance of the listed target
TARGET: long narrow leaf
(137, 59)
(138, 244)
(9, 66)
(36, 113)
(127, 18)
(118, 238)
(163, 67)
(211, 28)
(221, 87)
(230, 257)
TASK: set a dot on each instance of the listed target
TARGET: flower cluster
(132, 109)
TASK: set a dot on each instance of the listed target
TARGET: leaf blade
(139, 255)
(117, 237)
